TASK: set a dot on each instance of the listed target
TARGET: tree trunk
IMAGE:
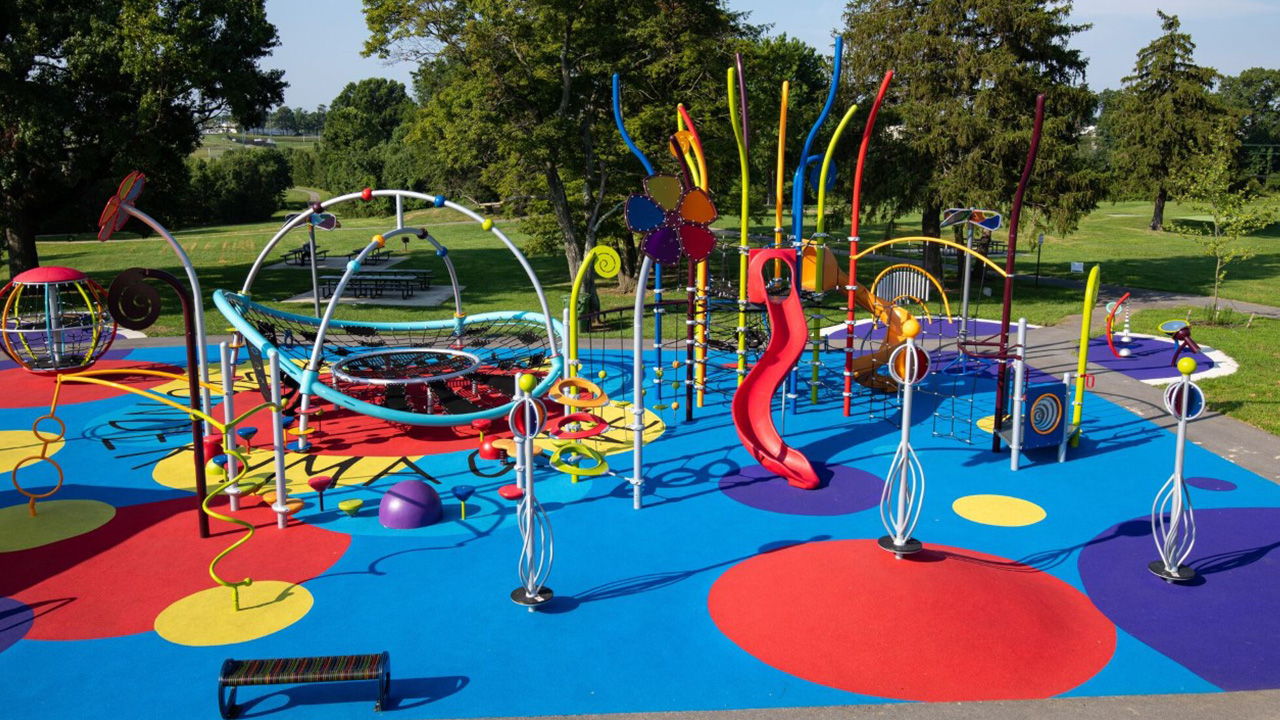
(20, 239)
(564, 218)
(1157, 216)
(931, 226)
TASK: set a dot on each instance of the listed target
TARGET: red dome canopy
(49, 274)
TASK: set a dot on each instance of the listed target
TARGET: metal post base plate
(1182, 574)
(520, 597)
(910, 547)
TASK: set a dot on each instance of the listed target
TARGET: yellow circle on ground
(55, 520)
(999, 510)
(987, 424)
(619, 437)
(18, 444)
(209, 618)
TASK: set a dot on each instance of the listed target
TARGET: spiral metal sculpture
(1173, 522)
(903, 494)
(537, 547)
(132, 301)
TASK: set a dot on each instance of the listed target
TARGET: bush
(240, 186)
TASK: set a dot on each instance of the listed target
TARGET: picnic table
(302, 254)
(377, 257)
(372, 286)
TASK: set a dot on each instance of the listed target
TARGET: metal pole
(315, 280)
(1019, 395)
(277, 439)
(964, 293)
(637, 386)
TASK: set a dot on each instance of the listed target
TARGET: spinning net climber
(445, 372)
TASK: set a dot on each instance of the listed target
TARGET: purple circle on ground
(1211, 484)
(844, 490)
(410, 504)
(1222, 625)
(1149, 358)
(15, 621)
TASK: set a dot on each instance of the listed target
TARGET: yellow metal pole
(744, 248)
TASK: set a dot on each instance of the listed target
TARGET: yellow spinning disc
(567, 392)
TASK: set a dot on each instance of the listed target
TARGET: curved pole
(437, 201)
(851, 302)
(939, 241)
(700, 314)
(1002, 372)
(821, 229)
(697, 147)
(442, 251)
(622, 128)
(197, 304)
(797, 186)
(604, 260)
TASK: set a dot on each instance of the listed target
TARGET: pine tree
(1166, 115)
(959, 114)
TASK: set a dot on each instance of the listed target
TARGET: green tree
(1210, 184)
(522, 102)
(359, 128)
(958, 117)
(1255, 94)
(240, 186)
(284, 118)
(96, 88)
(768, 62)
(1166, 114)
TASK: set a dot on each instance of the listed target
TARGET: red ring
(599, 428)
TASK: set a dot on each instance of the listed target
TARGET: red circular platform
(945, 625)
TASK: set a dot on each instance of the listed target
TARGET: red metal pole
(1002, 375)
(851, 302)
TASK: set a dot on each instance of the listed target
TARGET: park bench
(289, 671)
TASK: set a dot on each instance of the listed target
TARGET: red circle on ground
(115, 580)
(27, 390)
(944, 625)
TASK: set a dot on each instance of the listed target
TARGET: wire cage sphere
(55, 320)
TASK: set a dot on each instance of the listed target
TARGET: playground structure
(554, 408)
(55, 320)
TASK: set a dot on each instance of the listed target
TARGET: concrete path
(1160, 298)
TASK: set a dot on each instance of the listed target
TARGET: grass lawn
(212, 146)
(1250, 395)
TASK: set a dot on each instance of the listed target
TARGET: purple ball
(410, 504)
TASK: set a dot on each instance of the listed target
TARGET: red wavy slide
(753, 402)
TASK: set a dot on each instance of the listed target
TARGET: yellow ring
(579, 385)
(61, 433)
(33, 496)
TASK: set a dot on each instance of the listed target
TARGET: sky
(321, 40)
